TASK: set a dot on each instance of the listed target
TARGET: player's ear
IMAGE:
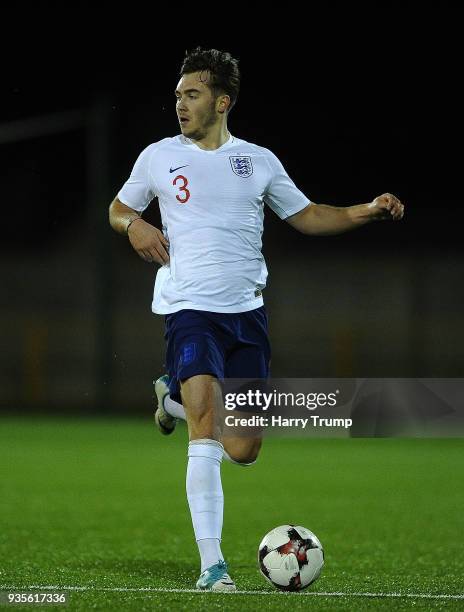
(223, 103)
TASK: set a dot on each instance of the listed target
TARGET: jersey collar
(228, 143)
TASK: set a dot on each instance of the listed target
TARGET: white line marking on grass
(276, 592)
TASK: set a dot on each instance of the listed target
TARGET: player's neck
(214, 139)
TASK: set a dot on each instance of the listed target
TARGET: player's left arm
(324, 220)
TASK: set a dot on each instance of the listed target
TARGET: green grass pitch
(100, 504)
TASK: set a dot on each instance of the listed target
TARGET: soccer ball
(290, 557)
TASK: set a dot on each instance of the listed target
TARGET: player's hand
(387, 206)
(149, 242)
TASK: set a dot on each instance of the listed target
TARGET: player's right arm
(148, 241)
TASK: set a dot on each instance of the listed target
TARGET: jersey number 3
(182, 188)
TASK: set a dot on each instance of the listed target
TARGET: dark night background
(354, 101)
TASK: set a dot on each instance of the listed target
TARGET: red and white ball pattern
(290, 557)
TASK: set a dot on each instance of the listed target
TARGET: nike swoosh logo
(171, 170)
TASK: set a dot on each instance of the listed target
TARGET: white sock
(205, 498)
(210, 552)
(174, 408)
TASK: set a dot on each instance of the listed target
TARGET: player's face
(196, 105)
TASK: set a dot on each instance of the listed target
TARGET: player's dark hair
(222, 67)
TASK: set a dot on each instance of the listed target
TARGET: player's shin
(205, 498)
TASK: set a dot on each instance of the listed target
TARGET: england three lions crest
(242, 166)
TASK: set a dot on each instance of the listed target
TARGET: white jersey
(211, 206)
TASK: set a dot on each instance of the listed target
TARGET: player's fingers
(397, 211)
(159, 254)
(150, 257)
(153, 256)
(163, 254)
(162, 238)
(393, 204)
(400, 213)
(141, 254)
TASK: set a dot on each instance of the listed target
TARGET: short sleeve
(138, 191)
(282, 195)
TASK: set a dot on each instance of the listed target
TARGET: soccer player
(212, 188)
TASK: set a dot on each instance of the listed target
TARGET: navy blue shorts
(226, 345)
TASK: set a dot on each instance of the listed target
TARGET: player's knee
(245, 455)
(244, 461)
